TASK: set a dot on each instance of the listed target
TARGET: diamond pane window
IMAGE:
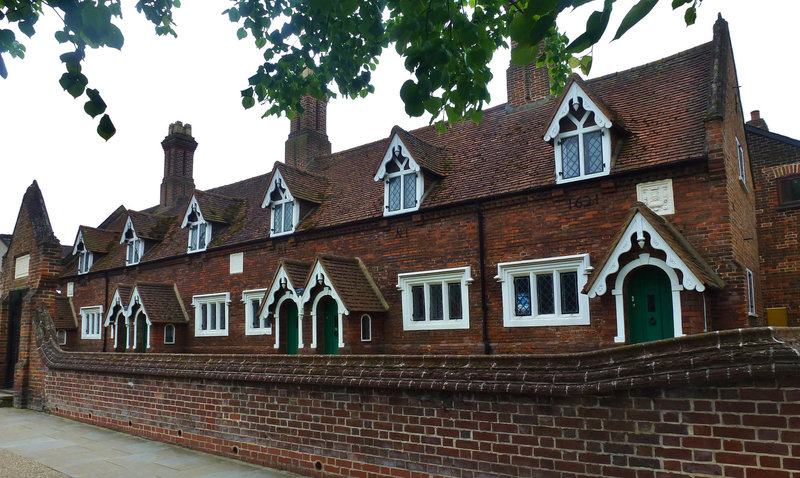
(394, 193)
(522, 296)
(437, 307)
(454, 300)
(570, 157)
(418, 300)
(545, 301)
(409, 190)
(254, 305)
(593, 152)
(277, 214)
(569, 292)
(288, 215)
(202, 236)
(204, 315)
(212, 324)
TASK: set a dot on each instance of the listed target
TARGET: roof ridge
(685, 53)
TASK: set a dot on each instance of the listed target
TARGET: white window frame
(61, 337)
(277, 184)
(92, 322)
(134, 251)
(168, 342)
(413, 168)
(507, 271)
(580, 132)
(406, 281)
(751, 294)
(222, 299)
(265, 325)
(197, 225)
(368, 320)
(85, 257)
(740, 160)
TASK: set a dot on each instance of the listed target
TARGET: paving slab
(39, 445)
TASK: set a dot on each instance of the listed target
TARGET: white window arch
(284, 211)
(134, 245)
(199, 229)
(402, 179)
(85, 256)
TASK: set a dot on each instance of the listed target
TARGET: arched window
(283, 208)
(199, 229)
(366, 328)
(580, 149)
(401, 183)
(134, 245)
(169, 334)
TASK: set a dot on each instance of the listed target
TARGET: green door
(331, 327)
(122, 334)
(649, 305)
(141, 328)
(291, 329)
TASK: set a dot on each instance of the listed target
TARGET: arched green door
(330, 312)
(649, 305)
(141, 329)
(292, 332)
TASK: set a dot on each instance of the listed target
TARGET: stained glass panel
(454, 300)
(569, 292)
(545, 300)
(409, 190)
(418, 303)
(288, 216)
(593, 152)
(437, 305)
(522, 296)
(394, 193)
(570, 160)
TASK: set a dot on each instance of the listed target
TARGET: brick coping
(704, 359)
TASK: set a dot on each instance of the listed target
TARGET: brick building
(622, 211)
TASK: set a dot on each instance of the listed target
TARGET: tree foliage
(327, 48)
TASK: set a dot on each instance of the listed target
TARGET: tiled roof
(302, 184)
(150, 226)
(5, 238)
(125, 291)
(99, 240)
(430, 157)
(676, 241)
(604, 108)
(162, 302)
(297, 271)
(64, 316)
(353, 283)
(662, 105)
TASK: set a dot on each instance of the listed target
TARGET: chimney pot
(755, 114)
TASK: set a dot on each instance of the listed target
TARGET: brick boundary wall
(716, 404)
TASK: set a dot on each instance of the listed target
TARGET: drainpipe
(487, 348)
(705, 320)
(105, 332)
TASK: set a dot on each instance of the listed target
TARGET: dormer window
(581, 138)
(402, 179)
(199, 229)
(285, 214)
(85, 257)
(134, 245)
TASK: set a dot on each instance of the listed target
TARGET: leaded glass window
(409, 190)
(394, 193)
(522, 296)
(277, 214)
(593, 152)
(570, 157)
(454, 300)
(437, 307)
(569, 292)
(288, 210)
(282, 205)
(545, 301)
(401, 179)
(435, 299)
(581, 144)
(418, 299)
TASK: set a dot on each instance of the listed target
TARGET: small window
(435, 299)
(90, 322)
(169, 334)
(544, 292)
(135, 248)
(366, 328)
(61, 336)
(199, 229)
(740, 159)
(402, 178)
(789, 190)
(751, 294)
(285, 214)
(211, 314)
(582, 146)
(22, 266)
(255, 325)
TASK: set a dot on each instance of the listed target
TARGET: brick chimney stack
(527, 84)
(757, 121)
(179, 146)
(308, 138)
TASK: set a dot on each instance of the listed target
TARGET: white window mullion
(557, 292)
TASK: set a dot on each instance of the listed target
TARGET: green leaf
(95, 105)
(521, 56)
(3, 71)
(540, 7)
(476, 116)
(241, 33)
(113, 37)
(690, 16)
(261, 42)
(61, 36)
(106, 128)
(586, 64)
(248, 102)
(634, 15)
(679, 3)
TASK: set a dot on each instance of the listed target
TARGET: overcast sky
(154, 81)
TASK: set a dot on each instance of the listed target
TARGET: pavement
(38, 445)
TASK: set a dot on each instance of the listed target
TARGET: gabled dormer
(91, 243)
(581, 133)
(284, 215)
(291, 195)
(133, 244)
(199, 228)
(408, 166)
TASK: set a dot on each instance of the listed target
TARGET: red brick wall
(726, 404)
(774, 157)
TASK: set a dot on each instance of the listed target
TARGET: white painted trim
(287, 198)
(619, 296)
(407, 280)
(575, 92)
(201, 299)
(247, 296)
(317, 272)
(381, 175)
(200, 220)
(507, 271)
(368, 318)
(638, 226)
(314, 317)
(141, 311)
(87, 313)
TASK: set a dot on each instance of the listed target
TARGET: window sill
(548, 322)
(459, 324)
(217, 333)
(788, 206)
(258, 332)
